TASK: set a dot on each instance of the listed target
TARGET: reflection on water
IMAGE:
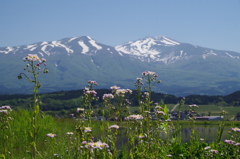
(208, 133)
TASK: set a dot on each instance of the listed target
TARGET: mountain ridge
(183, 68)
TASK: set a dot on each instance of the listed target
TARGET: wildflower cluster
(150, 77)
(4, 116)
(5, 109)
(138, 83)
(108, 96)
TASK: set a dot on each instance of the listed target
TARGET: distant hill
(184, 69)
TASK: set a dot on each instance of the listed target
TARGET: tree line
(67, 100)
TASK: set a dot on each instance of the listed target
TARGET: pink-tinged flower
(84, 142)
(201, 139)
(169, 155)
(51, 135)
(149, 73)
(87, 129)
(31, 57)
(80, 110)
(69, 133)
(141, 136)
(108, 96)
(213, 151)
(208, 147)
(93, 82)
(229, 142)
(236, 129)
(6, 107)
(96, 145)
(193, 106)
(113, 126)
(160, 112)
(237, 144)
(134, 117)
(44, 60)
(158, 107)
(114, 87)
(4, 111)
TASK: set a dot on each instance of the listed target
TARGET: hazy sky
(208, 23)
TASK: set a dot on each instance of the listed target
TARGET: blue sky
(208, 23)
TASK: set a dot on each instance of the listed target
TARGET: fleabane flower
(237, 144)
(149, 73)
(80, 110)
(96, 145)
(108, 96)
(213, 151)
(229, 142)
(160, 112)
(208, 147)
(93, 82)
(134, 117)
(51, 135)
(193, 106)
(87, 129)
(32, 58)
(91, 92)
(5, 109)
(123, 91)
(141, 136)
(113, 126)
(158, 107)
(69, 133)
(114, 87)
(236, 129)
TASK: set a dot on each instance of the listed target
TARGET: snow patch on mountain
(234, 57)
(94, 44)
(72, 39)
(58, 44)
(149, 49)
(84, 46)
(44, 50)
(138, 48)
(209, 54)
(8, 49)
(168, 41)
(41, 54)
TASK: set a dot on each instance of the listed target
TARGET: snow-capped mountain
(83, 45)
(166, 50)
(183, 68)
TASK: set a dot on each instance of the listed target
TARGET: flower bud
(19, 77)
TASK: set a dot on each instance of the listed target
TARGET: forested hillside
(72, 99)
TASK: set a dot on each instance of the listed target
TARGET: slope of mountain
(183, 68)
